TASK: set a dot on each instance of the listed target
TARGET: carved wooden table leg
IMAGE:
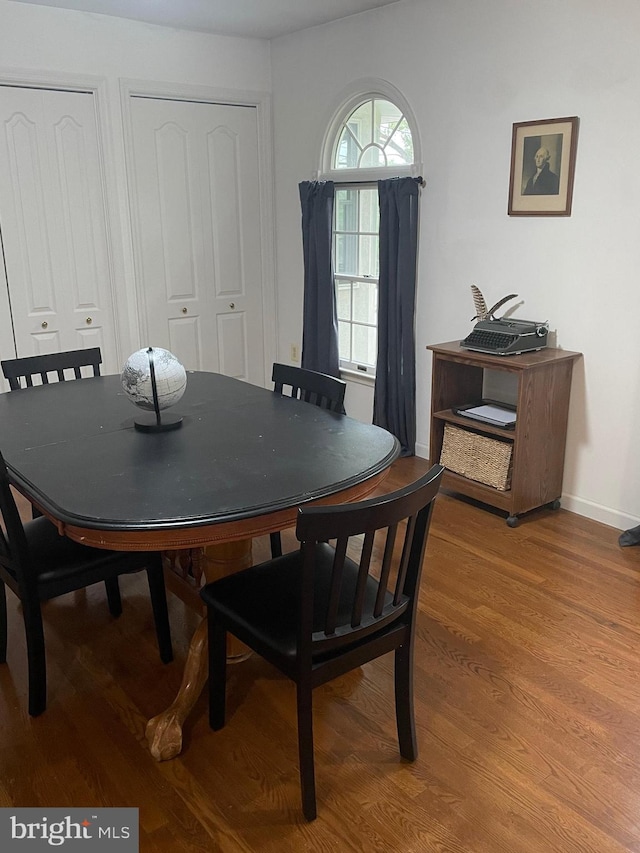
(164, 731)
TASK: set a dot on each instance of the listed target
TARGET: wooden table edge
(208, 534)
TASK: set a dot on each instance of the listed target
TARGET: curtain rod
(420, 180)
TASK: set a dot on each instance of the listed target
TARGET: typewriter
(506, 337)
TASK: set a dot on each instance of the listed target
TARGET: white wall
(469, 71)
(48, 42)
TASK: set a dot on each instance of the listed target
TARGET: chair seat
(263, 600)
(63, 565)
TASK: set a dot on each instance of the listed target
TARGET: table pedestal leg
(164, 731)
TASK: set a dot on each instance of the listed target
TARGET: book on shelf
(489, 412)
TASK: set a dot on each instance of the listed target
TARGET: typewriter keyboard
(492, 341)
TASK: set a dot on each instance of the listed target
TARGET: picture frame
(543, 161)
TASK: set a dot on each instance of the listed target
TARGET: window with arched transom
(371, 137)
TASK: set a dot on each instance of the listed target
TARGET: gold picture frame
(543, 161)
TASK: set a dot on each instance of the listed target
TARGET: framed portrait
(543, 161)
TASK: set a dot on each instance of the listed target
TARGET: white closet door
(197, 224)
(52, 220)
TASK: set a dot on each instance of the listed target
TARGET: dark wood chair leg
(217, 673)
(404, 701)
(37, 664)
(3, 623)
(305, 751)
(158, 596)
(113, 596)
(276, 544)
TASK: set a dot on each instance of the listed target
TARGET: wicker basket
(477, 457)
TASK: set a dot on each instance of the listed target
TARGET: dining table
(240, 465)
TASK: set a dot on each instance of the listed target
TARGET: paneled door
(196, 212)
(57, 294)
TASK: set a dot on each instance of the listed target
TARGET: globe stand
(154, 423)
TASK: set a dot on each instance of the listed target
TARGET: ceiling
(253, 18)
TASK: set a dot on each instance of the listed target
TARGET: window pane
(400, 147)
(346, 254)
(364, 345)
(346, 207)
(368, 257)
(343, 299)
(347, 151)
(369, 211)
(365, 302)
(344, 341)
(372, 156)
(360, 123)
(387, 116)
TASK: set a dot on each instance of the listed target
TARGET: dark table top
(242, 451)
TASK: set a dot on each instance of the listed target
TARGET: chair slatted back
(319, 389)
(17, 369)
(353, 603)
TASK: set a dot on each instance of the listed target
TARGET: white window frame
(351, 98)
(346, 365)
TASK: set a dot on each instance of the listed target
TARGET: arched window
(375, 134)
(371, 136)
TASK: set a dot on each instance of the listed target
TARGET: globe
(154, 380)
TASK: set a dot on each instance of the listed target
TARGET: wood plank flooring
(527, 685)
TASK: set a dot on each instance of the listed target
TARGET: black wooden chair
(308, 385)
(38, 564)
(320, 389)
(317, 613)
(17, 369)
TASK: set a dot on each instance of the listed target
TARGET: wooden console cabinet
(539, 437)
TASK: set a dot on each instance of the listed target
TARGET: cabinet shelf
(478, 491)
(450, 417)
(539, 437)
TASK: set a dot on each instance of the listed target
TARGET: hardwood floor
(527, 677)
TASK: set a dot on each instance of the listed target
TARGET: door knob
(232, 305)
(44, 324)
(89, 321)
(184, 310)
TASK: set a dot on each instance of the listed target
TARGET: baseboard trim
(597, 512)
(572, 503)
(422, 451)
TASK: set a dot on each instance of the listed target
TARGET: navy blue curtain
(320, 323)
(394, 406)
